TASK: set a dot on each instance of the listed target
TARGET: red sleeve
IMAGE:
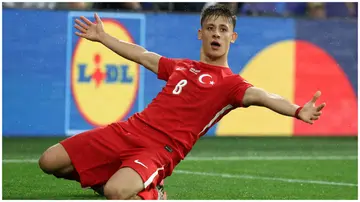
(165, 68)
(239, 86)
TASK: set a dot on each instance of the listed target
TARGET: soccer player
(130, 158)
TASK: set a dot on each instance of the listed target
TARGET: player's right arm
(133, 52)
(95, 32)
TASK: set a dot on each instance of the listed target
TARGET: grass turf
(201, 178)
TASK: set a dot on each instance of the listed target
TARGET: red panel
(317, 70)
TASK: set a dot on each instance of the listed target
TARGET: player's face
(216, 35)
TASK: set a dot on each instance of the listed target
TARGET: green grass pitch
(217, 168)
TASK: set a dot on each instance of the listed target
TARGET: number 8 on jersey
(178, 88)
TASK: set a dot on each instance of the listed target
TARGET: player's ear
(234, 37)
(199, 34)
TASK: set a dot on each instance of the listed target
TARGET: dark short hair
(217, 10)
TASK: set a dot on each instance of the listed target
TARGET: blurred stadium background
(51, 91)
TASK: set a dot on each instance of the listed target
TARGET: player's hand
(88, 29)
(310, 112)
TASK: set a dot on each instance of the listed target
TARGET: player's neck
(222, 61)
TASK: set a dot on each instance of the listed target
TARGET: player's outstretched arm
(308, 113)
(95, 32)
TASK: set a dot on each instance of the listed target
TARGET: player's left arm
(307, 113)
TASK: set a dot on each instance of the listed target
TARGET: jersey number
(179, 86)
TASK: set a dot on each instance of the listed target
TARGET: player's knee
(48, 161)
(117, 192)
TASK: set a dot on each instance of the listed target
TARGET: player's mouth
(215, 45)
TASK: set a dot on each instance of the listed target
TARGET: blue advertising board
(55, 83)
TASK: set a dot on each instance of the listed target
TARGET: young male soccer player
(130, 158)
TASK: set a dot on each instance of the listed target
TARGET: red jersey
(196, 96)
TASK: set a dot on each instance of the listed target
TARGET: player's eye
(210, 28)
(223, 29)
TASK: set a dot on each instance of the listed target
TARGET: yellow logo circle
(104, 84)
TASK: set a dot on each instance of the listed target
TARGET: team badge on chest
(207, 80)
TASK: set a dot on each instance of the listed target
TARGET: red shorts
(97, 154)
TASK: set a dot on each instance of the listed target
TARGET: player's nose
(216, 34)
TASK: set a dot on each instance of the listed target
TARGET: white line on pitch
(224, 175)
(230, 158)
(269, 158)
(20, 160)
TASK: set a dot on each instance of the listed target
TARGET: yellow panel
(273, 70)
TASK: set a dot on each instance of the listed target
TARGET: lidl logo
(111, 74)
(104, 86)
